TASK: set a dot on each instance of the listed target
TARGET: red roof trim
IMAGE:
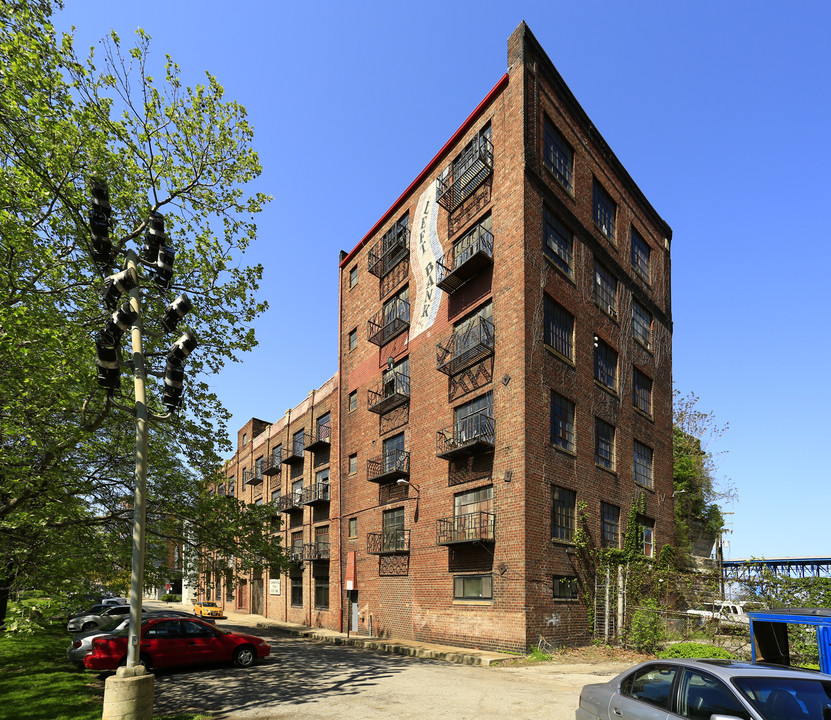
(466, 125)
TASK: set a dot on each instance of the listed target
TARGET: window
(244, 478)
(231, 487)
(396, 312)
(322, 592)
(298, 442)
(277, 455)
(559, 329)
(220, 490)
(297, 545)
(640, 256)
(558, 242)
(605, 364)
(474, 420)
(297, 491)
(469, 170)
(322, 539)
(324, 427)
(353, 339)
(641, 391)
(557, 155)
(258, 468)
(703, 695)
(647, 533)
(605, 289)
(258, 501)
(473, 587)
(392, 249)
(473, 501)
(394, 457)
(244, 439)
(297, 591)
(604, 444)
(643, 464)
(651, 684)
(276, 496)
(322, 483)
(353, 401)
(565, 587)
(392, 524)
(641, 324)
(563, 506)
(353, 464)
(353, 276)
(353, 527)
(604, 213)
(562, 422)
(609, 525)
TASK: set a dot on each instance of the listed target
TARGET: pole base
(128, 695)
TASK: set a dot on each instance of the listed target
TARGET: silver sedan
(709, 690)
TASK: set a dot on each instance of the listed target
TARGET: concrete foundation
(128, 695)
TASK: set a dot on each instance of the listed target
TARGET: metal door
(353, 624)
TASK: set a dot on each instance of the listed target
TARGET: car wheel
(88, 626)
(244, 656)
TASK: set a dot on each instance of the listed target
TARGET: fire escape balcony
(315, 551)
(475, 527)
(389, 322)
(296, 552)
(294, 453)
(316, 493)
(468, 436)
(320, 440)
(394, 390)
(465, 348)
(389, 251)
(465, 174)
(249, 477)
(292, 501)
(273, 465)
(392, 465)
(469, 254)
(388, 542)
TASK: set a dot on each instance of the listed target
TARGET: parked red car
(169, 641)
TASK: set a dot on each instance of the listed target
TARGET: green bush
(170, 597)
(695, 650)
(646, 630)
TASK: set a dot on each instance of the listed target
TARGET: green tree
(66, 452)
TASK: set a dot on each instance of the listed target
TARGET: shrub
(170, 597)
(646, 631)
(695, 650)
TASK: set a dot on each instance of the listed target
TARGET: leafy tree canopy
(66, 451)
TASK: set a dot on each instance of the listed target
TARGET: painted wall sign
(425, 249)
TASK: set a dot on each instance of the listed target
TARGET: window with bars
(558, 242)
(609, 525)
(605, 364)
(643, 465)
(640, 256)
(641, 391)
(641, 324)
(558, 155)
(605, 289)
(563, 507)
(559, 328)
(562, 422)
(565, 587)
(604, 211)
(604, 444)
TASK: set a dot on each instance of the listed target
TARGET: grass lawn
(37, 682)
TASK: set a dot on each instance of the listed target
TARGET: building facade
(504, 381)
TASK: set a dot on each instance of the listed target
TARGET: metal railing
(471, 527)
(389, 251)
(390, 465)
(469, 254)
(296, 449)
(392, 320)
(465, 348)
(273, 465)
(317, 492)
(320, 439)
(466, 173)
(316, 551)
(393, 390)
(292, 501)
(388, 542)
(470, 434)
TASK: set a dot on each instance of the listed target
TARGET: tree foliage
(66, 451)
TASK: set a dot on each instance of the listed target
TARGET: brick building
(505, 369)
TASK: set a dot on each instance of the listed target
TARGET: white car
(90, 621)
(724, 611)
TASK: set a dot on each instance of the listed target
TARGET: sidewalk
(413, 648)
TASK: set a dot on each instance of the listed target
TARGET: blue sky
(719, 110)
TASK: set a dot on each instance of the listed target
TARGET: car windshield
(784, 698)
(111, 623)
(209, 604)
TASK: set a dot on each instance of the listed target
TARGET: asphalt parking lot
(305, 678)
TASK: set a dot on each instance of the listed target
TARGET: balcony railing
(294, 453)
(470, 435)
(389, 251)
(296, 552)
(465, 348)
(392, 465)
(315, 551)
(394, 390)
(469, 528)
(465, 174)
(388, 542)
(389, 322)
(292, 501)
(321, 438)
(273, 465)
(251, 478)
(468, 256)
(316, 493)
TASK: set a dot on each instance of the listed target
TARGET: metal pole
(140, 501)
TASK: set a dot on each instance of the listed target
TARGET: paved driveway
(308, 679)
